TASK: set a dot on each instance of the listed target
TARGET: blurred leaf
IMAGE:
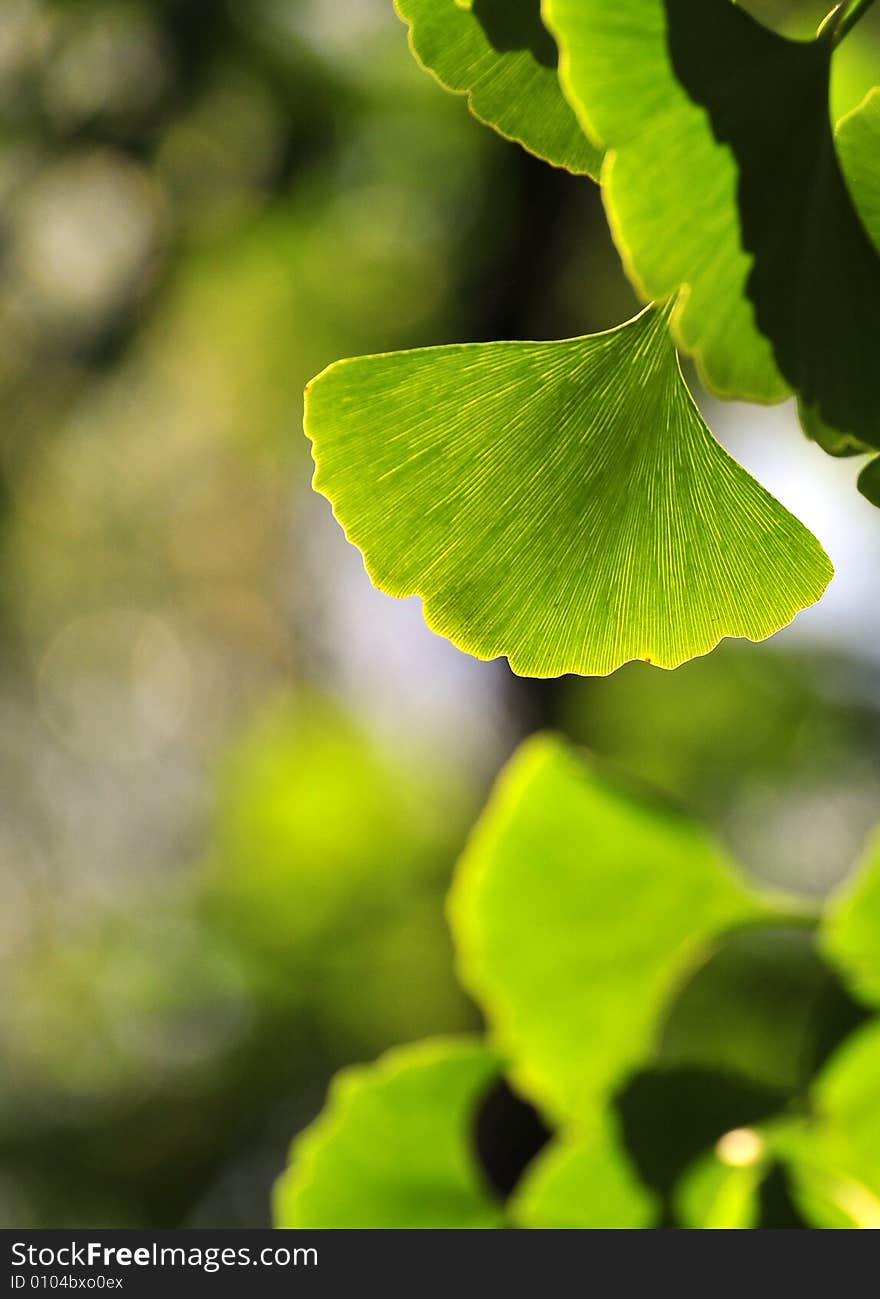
(577, 910)
(309, 808)
(850, 930)
(392, 1148)
(722, 179)
(562, 504)
(715, 1195)
(618, 71)
(827, 1198)
(587, 1183)
(330, 853)
(501, 56)
(835, 1158)
(670, 1115)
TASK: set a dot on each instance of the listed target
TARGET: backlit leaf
(562, 504)
(850, 932)
(722, 180)
(834, 1157)
(499, 53)
(392, 1148)
(578, 909)
(715, 1195)
(858, 143)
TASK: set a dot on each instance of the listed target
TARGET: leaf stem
(849, 17)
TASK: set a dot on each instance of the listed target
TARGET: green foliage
(851, 932)
(586, 914)
(716, 105)
(830, 1158)
(669, 185)
(715, 1195)
(562, 504)
(544, 942)
(504, 59)
(391, 1149)
(835, 1156)
(583, 1182)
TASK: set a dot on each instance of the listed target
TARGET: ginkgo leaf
(834, 1157)
(850, 930)
(722, 180)
(716, 1194)
(562, 504)
(584, 1183)
(669, 186)
(500, 54)
(578, 908)
(392, 1149)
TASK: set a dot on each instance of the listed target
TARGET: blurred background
(234, 777)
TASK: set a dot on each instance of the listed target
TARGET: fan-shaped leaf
(717, 1195)
(500, 54)
(562, 504)
(392, 1148)
(835, 1157)
(722, 179)
(577, 909)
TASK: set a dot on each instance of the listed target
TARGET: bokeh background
(234, 777)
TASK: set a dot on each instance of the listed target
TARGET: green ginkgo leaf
(850, 930)
(500, 54)
(722, 181)
(717, 1194)
(834, 1157)
(578, 909)
(562, 504)
(584, 1183)
(393, 1148)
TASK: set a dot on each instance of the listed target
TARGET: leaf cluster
(563, 504)
(594, 925)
